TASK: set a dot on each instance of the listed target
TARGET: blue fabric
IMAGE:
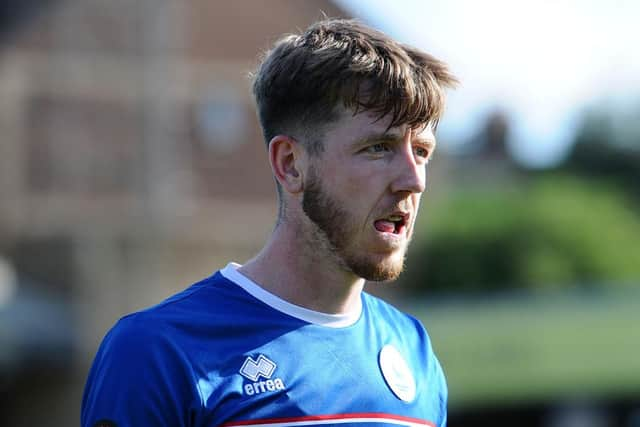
(179, 364)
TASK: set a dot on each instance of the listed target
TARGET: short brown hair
(302, 80)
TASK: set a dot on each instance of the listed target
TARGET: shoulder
(201, 300)
(162, 326)
(401, 329)
(387, 313)
(136, 343)
(145, 362)
(195, 297)
(151, 363)
(410, 338)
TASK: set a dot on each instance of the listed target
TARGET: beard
(335, 230)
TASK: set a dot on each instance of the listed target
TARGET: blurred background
(131, 165)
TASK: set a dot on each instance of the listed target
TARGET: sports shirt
(225, 352)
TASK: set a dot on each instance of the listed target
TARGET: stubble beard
(332, 231)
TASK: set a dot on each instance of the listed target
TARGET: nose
(410, 175)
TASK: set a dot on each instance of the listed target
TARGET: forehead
(350, 128)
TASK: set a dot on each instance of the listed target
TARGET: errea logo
(254, 369)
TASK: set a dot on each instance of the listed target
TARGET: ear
(286, 158)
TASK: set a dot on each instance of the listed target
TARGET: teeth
(395, 218)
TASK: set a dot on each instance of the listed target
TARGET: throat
(341, 297)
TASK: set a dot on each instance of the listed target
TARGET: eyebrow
(392, 137)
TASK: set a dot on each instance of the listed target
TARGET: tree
(557, 232)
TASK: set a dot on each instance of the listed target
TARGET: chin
(376, 269)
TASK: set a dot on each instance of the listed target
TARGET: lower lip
(392, 236)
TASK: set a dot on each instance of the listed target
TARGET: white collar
(318, 318)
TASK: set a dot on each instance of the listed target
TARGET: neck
(299, 272)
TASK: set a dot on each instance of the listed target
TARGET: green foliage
(607, 146)
(556, 232)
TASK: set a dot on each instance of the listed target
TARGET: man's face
(363, 191)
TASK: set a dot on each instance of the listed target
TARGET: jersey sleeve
(436, 379)
(443, 393)
(139, 378)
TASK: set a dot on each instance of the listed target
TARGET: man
(290, 338)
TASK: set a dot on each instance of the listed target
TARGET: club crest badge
(397, 373)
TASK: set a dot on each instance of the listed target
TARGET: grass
(509, 350)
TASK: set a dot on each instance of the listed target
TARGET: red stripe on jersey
(339, 418)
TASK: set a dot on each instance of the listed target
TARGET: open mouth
(395, 224)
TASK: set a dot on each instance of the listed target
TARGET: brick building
(131, 162)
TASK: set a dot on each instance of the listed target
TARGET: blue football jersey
(225, 352)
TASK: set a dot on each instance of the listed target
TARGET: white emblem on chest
(397, 373)
(255, 369)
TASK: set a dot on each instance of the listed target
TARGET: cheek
(356, 184)
(346, 178)
(361, 191)
(416, 201)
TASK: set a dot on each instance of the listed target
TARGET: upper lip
(398, 213)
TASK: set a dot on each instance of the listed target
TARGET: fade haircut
(305, 78)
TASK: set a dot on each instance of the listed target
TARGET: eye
(421, 152)
(378, 148)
